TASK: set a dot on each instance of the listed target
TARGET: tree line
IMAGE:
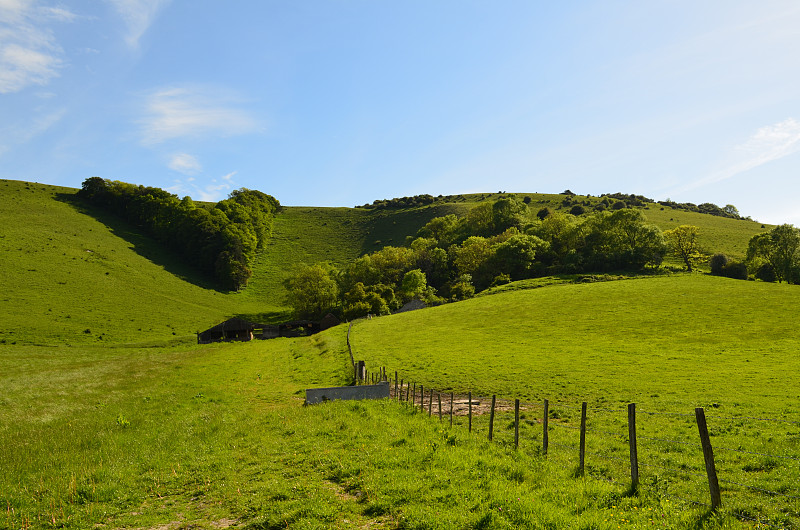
(451, 258)
(220, 239)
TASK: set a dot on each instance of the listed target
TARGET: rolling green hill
(111, 415)
(84, 276)
(75, 268)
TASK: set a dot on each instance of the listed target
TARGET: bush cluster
(722, 266)
(219, 240)
(730, 211)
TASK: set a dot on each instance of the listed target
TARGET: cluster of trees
(451, 258)
(220, 239)
(410, 202)
(730, 211)
(772, 256)
(775, 255)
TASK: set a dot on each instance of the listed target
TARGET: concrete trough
(318, 395)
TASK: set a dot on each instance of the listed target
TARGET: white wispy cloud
(29, 52)
(138, 16)
(767, 144)
(185, 163)
(192, 112)
(206, 191)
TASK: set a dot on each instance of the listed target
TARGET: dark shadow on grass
(141, 243)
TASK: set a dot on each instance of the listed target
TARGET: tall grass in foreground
(216, 436)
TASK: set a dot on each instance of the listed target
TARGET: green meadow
(111, 416)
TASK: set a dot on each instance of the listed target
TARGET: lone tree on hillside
(682, 240)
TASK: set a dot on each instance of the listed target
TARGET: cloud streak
(138, 16)
(192, 112)
(207, 192)
(767, 144)
(185, 163)
(29, 53)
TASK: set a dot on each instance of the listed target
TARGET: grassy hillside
(76, 269)
(60, 257)
(669, 344)
(312, 234)
(689, 338)
(132, 425)
(75, 278)
(215, 436)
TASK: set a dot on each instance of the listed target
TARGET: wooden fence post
(545, 418)
(421, 398)
(633, 450)
(469, 400)
(400, 397)
(430, 404)
(708, 455)
(583, 439)
(395, 384)
(516, 424)
(491, 420)
(414, 394)
(439, 398)
(452, 398)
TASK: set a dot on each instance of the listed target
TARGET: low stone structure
(318, 395)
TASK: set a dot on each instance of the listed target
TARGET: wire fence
(667, 453)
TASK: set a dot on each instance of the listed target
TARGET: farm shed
(231, 329)
(328, 321)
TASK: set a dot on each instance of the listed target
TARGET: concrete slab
(318, 395)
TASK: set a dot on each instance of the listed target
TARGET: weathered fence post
(414, 394)
(491, 420)
(583, 439)
(516, 424)
(430, 404)
(545, 418)
(395, 384)
(400, 396)
(708, 455)
(469, 402)
(632, 443)
(421, 398)
(439, 398)
(361, 372)
(452, 398)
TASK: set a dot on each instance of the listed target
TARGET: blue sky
(339, 103)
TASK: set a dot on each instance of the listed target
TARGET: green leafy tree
(414, 285)
(312, 291)
(682, 240)
(473, 257)
(508, 212)
(443, 230)
(461, 288)
(362, 300)
(516, 255)
(779, 248)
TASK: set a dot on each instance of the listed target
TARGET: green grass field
(112, 417)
